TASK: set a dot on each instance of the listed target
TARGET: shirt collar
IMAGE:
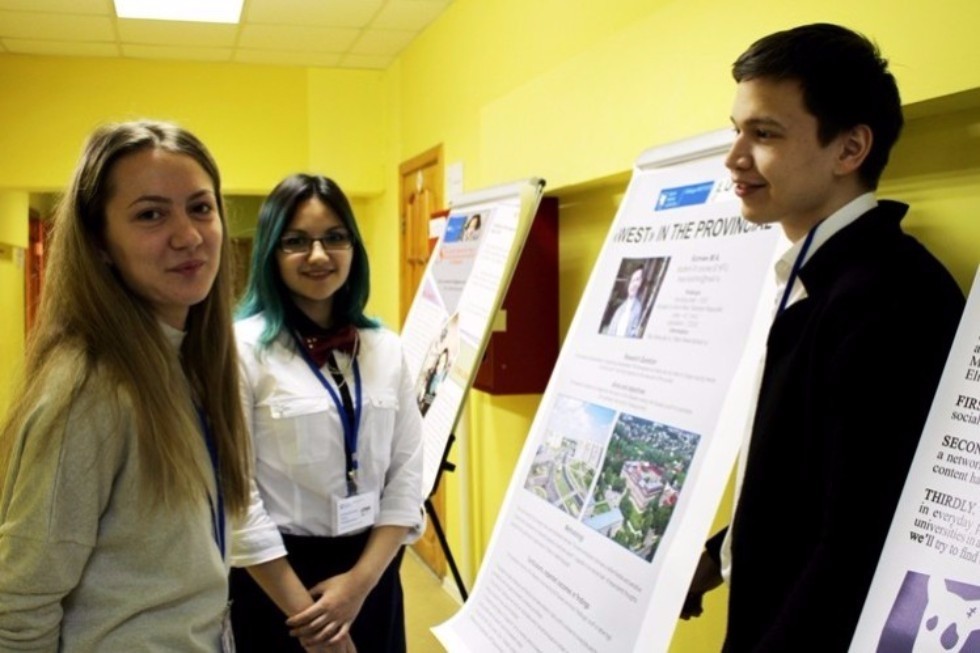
(174, 336)
(839, 219)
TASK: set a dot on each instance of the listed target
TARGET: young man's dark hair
(844, 79)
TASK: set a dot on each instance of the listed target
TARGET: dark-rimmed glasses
(299, 243)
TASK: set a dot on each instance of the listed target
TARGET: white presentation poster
(925, 596)
(449, 323)
(637, 432)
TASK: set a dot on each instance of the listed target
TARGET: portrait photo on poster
(633, 295)
(472, 228)
(438, 361)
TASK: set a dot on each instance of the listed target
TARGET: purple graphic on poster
(933, 615)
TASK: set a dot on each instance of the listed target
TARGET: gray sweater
(86, 564)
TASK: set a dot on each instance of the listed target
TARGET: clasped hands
(324, 627)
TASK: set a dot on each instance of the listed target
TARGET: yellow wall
(936, 169)
(507, 84)
(260, 122)
(569, 90)
(14, 207)
(346, 111)
(253, 118)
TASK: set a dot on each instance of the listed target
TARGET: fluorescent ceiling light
(201, 11)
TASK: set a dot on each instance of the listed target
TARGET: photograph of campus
(568, 459)
(641, 479)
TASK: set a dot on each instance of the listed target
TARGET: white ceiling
(329, 33)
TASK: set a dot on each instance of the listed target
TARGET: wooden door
(420, 196)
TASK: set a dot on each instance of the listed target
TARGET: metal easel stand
(445, 466)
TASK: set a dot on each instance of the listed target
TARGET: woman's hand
(337, 602)
(345, 645)
(338, 599)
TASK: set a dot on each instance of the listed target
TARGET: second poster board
(449, 323)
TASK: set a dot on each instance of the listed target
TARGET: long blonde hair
(90, 319)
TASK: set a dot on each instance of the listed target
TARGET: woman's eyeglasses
(303, 244)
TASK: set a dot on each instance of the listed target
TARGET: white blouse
(298, 441)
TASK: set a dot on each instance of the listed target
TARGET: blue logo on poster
(672, 198)
(454, 228)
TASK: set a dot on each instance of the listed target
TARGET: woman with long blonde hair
(125, 447)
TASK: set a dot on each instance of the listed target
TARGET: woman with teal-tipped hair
(337, 437)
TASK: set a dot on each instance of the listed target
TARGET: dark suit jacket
(849, 377)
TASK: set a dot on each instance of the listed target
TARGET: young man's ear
(855, 145)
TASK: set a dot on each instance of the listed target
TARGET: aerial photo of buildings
(568, 459)
(642, 476)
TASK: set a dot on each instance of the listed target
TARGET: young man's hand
(706, 577)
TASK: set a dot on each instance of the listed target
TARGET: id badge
(227, 636)
(354, 512)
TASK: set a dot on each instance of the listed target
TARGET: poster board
(629, 453)
(451, 318)
(925, 595)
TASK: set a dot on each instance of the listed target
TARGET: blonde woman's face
(163, 231)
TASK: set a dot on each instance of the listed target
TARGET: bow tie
(321, 346)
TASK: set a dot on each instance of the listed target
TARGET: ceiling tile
(335, 13)
(408, 14)
(286, 58)
(168, 32)
(372, 61)
(344, 33)
(55, 27)
(62, 48)
(175, 52)
(96, 7)
(382, 41)
(314, 39)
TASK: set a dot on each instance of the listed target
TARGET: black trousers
(260, 627)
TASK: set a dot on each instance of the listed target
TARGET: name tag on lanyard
(354, 512)
(350, 512)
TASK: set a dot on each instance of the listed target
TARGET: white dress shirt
(298, 441)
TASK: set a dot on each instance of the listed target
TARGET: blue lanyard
(217, 514)
(797, 264)
(350, 426)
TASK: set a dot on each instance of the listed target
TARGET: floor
(426, 604)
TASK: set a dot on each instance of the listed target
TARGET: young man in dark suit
(861, 329)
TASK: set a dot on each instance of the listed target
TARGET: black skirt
(260, 627)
